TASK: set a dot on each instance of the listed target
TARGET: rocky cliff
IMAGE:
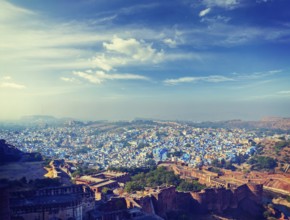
(9, 153)
(246, 198)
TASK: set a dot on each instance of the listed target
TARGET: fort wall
(55, 202)
(207, 200)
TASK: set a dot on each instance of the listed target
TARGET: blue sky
(184, 59)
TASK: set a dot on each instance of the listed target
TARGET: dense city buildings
(134, 146)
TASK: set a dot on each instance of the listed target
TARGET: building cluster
(103, 180)
(133, 146)
(83, 201)
(87, 201)
(67, 202)
(75, 202)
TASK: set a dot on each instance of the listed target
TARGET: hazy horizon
(23, 119)
(204, 60)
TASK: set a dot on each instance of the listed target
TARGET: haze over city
(179, 59)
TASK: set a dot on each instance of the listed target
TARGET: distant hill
(44, 119)
(38, 117)
(265, 123)
(273, 123)
(9, 153)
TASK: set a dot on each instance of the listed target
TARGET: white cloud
(8, 84)
(185, 56)
(7, 78)
(111, 61)
(102, 62)
(212, 79)
(112, 14)
(263, 1)
(280, 94)
(99, 76)
(132, 52)
(204, 12)
(284, 92)
(219, 78)
(11, 85)
(229, 4)
(138, 50)
(170, 42)
(12, 12)
(108, 62)
(275, 71)
(216, 19)
(69, 79)
(220, 32)
(179, 80)
(39, 45)
(216, 79)
(256, 75)
(91, 78)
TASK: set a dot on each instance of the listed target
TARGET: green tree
(190, 186)
(76, 173)
(159, 177)
(266, 162)
(150, 163)
(133, 186)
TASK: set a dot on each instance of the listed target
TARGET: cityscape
(134, 147)
(145, 110)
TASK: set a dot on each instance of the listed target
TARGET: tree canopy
(262, 162)
(158, 177)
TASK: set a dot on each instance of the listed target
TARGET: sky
(122, 59)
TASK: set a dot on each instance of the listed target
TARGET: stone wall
(164, 200)
(207, 200)
(62, 213)
(54, 202)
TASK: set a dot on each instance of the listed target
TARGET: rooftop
(91, 179)
(103, 184)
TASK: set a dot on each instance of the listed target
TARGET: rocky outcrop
(217, 199)
(9, 153)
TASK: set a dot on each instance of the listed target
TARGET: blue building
(160, 154)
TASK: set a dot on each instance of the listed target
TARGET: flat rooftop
(91, 179)
(111, 174)
(103, 184)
